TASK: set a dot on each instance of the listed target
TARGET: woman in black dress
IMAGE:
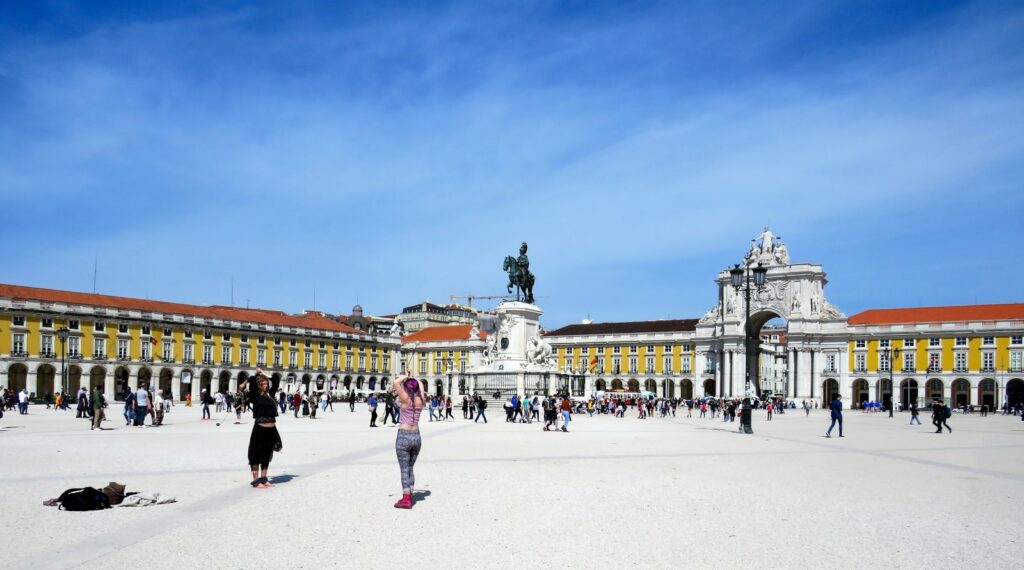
(264, 440)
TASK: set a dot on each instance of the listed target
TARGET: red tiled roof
(960, 313)
(258, 316)
(667, 325)
(434, 334)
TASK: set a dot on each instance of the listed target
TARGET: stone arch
(438, 388)
(860, 392)
(347, 382)
(883, 387)
(709, 388)
(1015, 392)
(97, 378)
(960, 392)
(829, 387)
(145, 377)
(206, 381)
(759, 319)
(224, 382)
(373, 383)
(651, 385)
(425, 386)
(17, 377)
(686, 389)
(668, 388)
(359, 382)
(333, 382)
(616, 384)
(600, 385)
(121, 381)
(908, 392)
(165, 381)
(275, 382)
(633, 385)
(185, 380)
(933, 389)
(47, 382)
(74, 378)
(987, 393)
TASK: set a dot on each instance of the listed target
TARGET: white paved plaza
(677, 492)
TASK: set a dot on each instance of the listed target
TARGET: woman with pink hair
(408, 442)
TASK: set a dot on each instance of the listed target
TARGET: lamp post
(62, 334)
(891, 354)
(741, 281)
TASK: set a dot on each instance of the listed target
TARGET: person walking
(352, 401)
(158, 408)
(23, 402)
(465, 407)
(97, 408)
(389, 402)
(481, 405)
(945, 412)
(408, 442)
(914, 414)
(448, 409)
(372, 406)
(566, 411)
(264, 439)
(296, 403)
(142, 402)
(205, 399)
(837, 415)
(770, 408)
(937, 415)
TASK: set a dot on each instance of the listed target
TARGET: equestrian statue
(519, 275)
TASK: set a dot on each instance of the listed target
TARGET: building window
(19, 344)
(74, 347)
(99, 348)
(144, 346)
(348, 361)
(934, 341)
(883, 343)
(585, 350)
(47, 323)
(617, 350)
(362, 362)
(122, 328)
(1017, 340)
(830, 363)
(208, 335)
(687, 363)
(74, 324)
(18, 320)
(189, 355)
(934, 362)
(207, 354)
(167, 332)
(908, 362)
(908, 343)
(960, 361)
(261, 357)
(649, 365)
(168, 351)
(47, 343)
(277, 359)
(122, 349)
(307, 343)
(225, 355)
(293, 358)
(860, 363)
(146, 329)
(226, 337)
(423, 365)
(307, 359)
(322, 360)
(334, 361)
(883, 362)
(261, 339)
(667, 365)
(988, 360)
(988, 340)
(291, 342)
(244, 338)
(633, 349)
(98, 326)
(961, 341)
(188, 333)
(600, 365)
(1016, 361)
(277, 341)
(616, 365)
(243, 356)
(860, 343)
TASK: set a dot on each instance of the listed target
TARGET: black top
(263, 406)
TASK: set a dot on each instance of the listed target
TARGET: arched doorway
(360, 380)
(145, 377)
(668, 388)
(438, 388)
(185, 383)
(74, 378)
(46, 381)
(306, 379)
(334, 382)
(933, 389)
(908, 392)
(275, 382)
(347, 382)
(709, 388)
(206, 381)
(426, 386)
(961, 392)
(165, 381)
(121, 375)
(651, 386)
(686, 389)
(769, 340)
(17, 377)
(987, 393)
(1015, 392)
(224, 382)
(884, 390)
(290, 383)
(373, 383)
(97, 378)
(600, 385)
(616, 384)
(860, 392)
(633, 385)
(828, 388)
(243, 376)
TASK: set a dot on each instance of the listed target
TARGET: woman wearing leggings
(264, 440)
(408, 443)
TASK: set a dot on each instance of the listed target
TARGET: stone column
(109, 390)
(31, 383)
(790, 384)
(803, 361)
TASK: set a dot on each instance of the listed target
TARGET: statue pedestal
(517, 323)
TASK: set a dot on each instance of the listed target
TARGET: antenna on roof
(246, 302)
(95, 268)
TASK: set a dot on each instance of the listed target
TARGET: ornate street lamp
(741, 280)
(891, 354)
(63, 334)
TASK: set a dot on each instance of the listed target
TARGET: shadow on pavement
(418, 496)
(281, 478)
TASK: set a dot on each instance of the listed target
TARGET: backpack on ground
(84, 499)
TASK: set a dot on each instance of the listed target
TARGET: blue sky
(393, 153)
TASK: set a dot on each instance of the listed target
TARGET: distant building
(425, 314)
(367, 323)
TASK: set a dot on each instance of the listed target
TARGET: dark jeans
(140, 415)
(834, 420)
(373, 417)
(480, 414)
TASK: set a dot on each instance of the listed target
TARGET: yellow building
(118, 343)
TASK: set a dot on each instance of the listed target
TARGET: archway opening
(165, 382)
(961, 392)
(616, 384)
(860, 392)
(97, 378)
(1015, 392)
(17, 377)
(206, 381)
(634, 385)
(933, 389)
(829, 388)
(224, 382)
(771, 345)
(884, 391)
(121, 375)
(651, 386)
(908, 392)
(601, 386)
(145, 377)
(709, 388)
(987, 393)
(46, 380)
(668, 388)
(686, 389)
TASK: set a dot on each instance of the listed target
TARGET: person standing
(158, 408)
(352, 400)
(389, 402)
(97, 408)
(770, 408)
(23, 402)
(566, 410)
(206, 400)
(448, 409)
(837, 415)
(937, 415)
(296, 403)
(465, 407)
(408, 442)
(264, 439)
(914, 414)
(372, 406)
(141, 406)
(944, 418)
(481, 405)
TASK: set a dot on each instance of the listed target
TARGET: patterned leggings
(407, 446)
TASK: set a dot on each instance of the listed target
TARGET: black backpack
(84, 499)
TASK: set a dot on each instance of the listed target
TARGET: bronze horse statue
(520, 278)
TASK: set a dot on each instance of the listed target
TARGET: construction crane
(469, 298)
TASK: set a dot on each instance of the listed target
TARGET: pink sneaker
(405, 502)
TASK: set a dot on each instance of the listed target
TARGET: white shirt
(23, 396)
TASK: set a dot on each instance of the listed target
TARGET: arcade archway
(686, 389)
(1015, 392)
(908, 392)
(960, 394)
(709, 388)
(17, 377)
(860, 392)
(829, 388)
